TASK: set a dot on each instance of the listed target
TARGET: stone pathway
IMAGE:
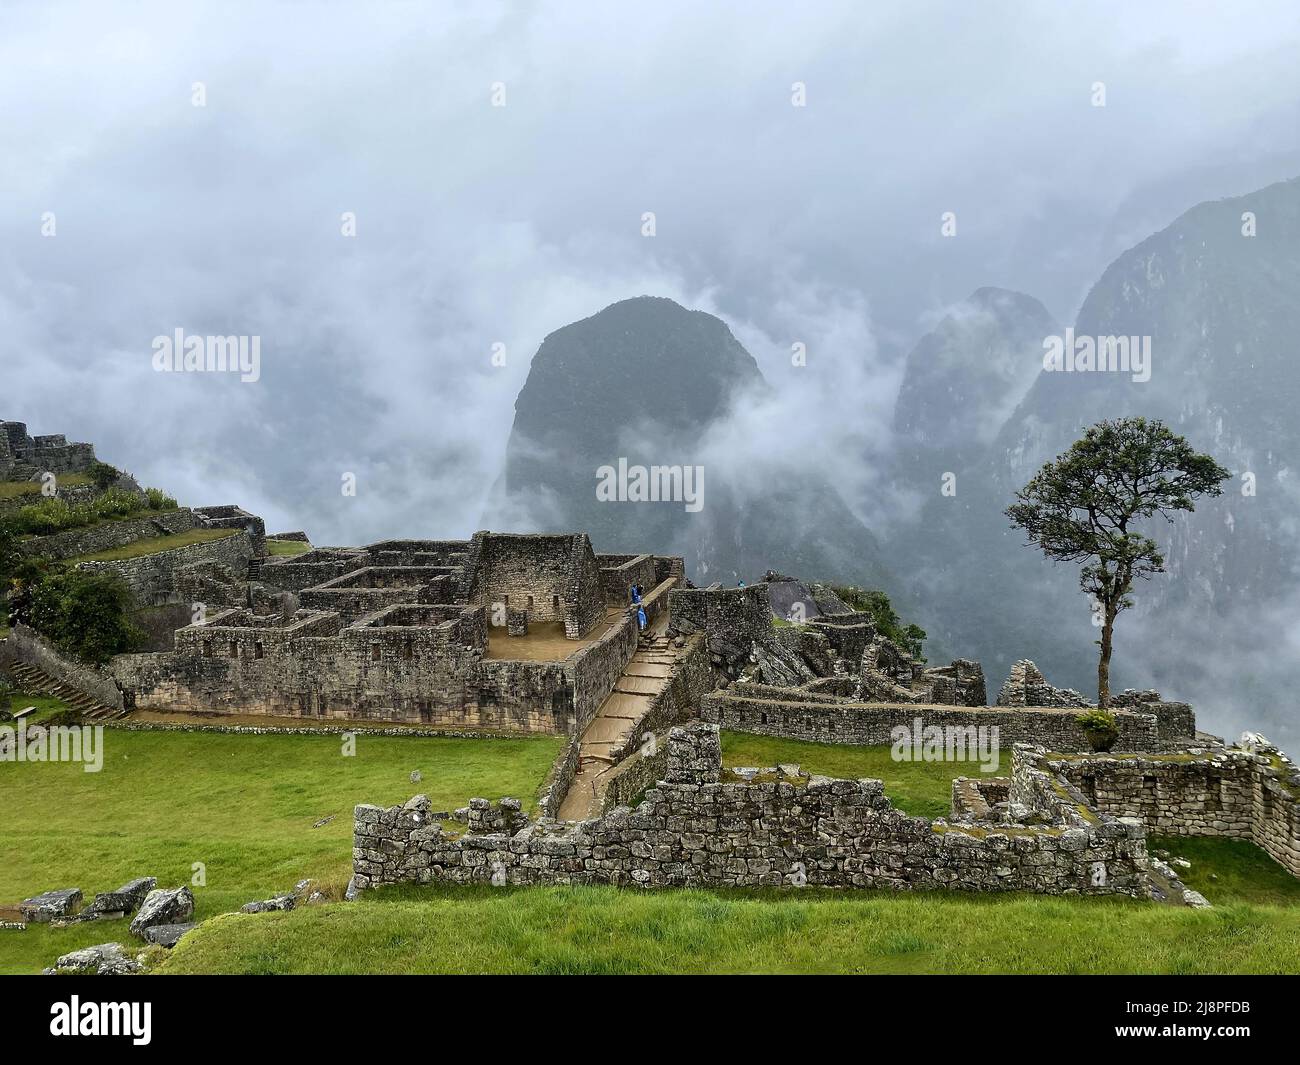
(647, 674)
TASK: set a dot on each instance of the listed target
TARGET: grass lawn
(278, 548)
(14, 489)
(155, 544)
(603, 930)
(46, 706)
(922, 789)
(1255, 926)
(245, 806)
(242, 805)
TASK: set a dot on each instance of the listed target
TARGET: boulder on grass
(119, 903)
(167, 935)
(41, 909)
(280, 902)
(107, 959)
(164, 906)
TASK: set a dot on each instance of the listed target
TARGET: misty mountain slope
(1222, 311)
(646, 380)
(965, 377)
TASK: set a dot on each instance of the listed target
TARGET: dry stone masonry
(779, 828)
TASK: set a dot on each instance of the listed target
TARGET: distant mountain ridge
(646, 380)
(1222, 311)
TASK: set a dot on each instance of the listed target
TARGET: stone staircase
(648, 673)
(31, 679)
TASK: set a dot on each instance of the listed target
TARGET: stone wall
(596, 669)
(26, 645)
(619, 572)
(696, 829)
(233, 517)
(628, 781)
(1238, 794)
(22, 455)
(556, 785)
(296, 573)
(517, 694)
(554, 577)
(1026, 686)
(871, 724)
(359, 592)
(732, 619)
(409, 663)
(153, 579)
(106, 535)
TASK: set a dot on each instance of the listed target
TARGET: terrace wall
(871, 724)
(106, 535)
(152, 578)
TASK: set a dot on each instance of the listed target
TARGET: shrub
(53, 515)
(1100, 727)
(86, 614)
(115, 503)
(11, 556)
(102, 475)
(50, 515)
(160, 500)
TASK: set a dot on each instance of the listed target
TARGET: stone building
(502, 631)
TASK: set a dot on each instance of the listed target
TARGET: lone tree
(1083, 506)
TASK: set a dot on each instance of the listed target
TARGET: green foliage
(85, 614)
(159, 500)
(1096, 721)
(52, 515)
(11, 556)
(102, 475)
(1101, 728)
(876, 603)
(1090, 504)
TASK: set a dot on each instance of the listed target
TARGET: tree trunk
(1103, 665)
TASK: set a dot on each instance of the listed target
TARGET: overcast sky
(478, 225)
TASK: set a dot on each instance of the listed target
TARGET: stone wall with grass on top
(697, 827)
(109, 534)
(152, 578)
(826, 720)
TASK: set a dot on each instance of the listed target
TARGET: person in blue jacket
(640, 617)
(636, 594)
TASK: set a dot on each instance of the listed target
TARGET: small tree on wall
(1083, 506)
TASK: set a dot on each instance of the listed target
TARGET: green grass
(46, 706)
(1230, 869)
(922, 789)
(242, 805)
(156, 544)
(277, 548)
(245, 806)
(602, 930)
(14, 489)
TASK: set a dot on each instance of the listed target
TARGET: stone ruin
(701, 825)
(1026, 686)
(501, 631)
(23, 457)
